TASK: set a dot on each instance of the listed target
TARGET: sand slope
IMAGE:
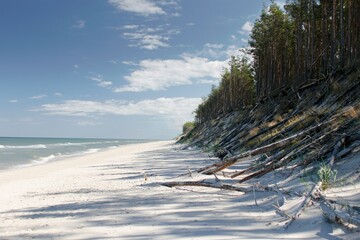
(104, 196)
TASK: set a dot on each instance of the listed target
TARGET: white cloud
(210, 82)
(233, 50)
(130, 26)
(202, 67)
(149, 38)
(58, 94)
(38, 97)
(168, 3)
(212, 50)
(101, 82)
(113, 61)
(161, 74)
(105, 84)
(13, 101)
(214, 45)
(175, 110)
(215, 51)
(76, 66)
(97, 78)
(246, 28)
(141, 7)
(131, 63)
(147, 41)
(79, 24)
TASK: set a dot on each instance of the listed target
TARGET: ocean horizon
(17, 152)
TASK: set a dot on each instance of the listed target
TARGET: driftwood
(348, 150)
(275, 164)
(271, 164)
(256, 204)
(281, 143)
(269, 160)
(300, 147)
(272, 189)
(336, 150)
(316, 187)
(281, 212)
(320, 121)
(207, 184)
(243, 133)
(303, 205)
(231, 134)
(190, 173)
(309, 85)
(337, 216)
(287, 129)
(346, 92)
(219, 185)
(255, 166)
(262, 131)
(355, 208)
(334, 215)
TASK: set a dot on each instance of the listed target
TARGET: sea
(20, 152)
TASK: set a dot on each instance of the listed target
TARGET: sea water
(23, 152)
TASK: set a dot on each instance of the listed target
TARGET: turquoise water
(23, 152)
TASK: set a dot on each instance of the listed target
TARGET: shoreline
(64, 162)
(19, 152)
(54, 158)
(106, 195)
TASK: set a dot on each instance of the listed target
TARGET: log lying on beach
(280, 162)
(203, 183)
(348, 206)
(329, 208)
(219, 185)
(214, 168)
(334, 215)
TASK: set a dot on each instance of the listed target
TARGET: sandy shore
(105, 196)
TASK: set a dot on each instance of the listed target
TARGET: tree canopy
(307, 40)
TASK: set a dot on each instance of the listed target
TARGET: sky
(114, 68)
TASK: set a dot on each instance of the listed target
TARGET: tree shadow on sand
(165, 212)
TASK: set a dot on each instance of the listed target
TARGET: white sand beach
(105, 196)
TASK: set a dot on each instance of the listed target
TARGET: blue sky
(113, 68)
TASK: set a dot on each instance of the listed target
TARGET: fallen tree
(322, 127)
